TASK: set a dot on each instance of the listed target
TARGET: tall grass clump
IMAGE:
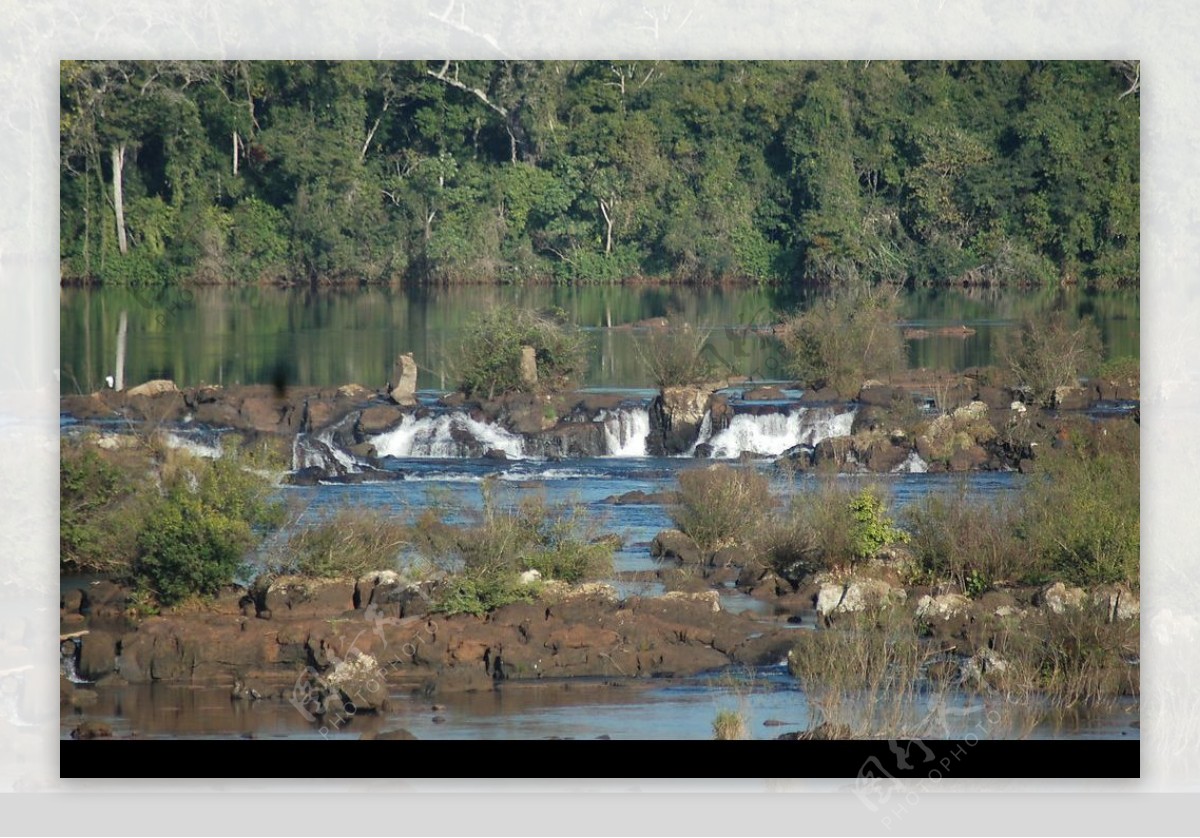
(350, 543)
(830, 525)
(968, 541)
(868, 679)
(489, 364)
(483, 562)
(845, 339)
(721, 506)
(729, 724)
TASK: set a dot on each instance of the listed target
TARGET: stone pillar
(529, 375)
(404, 380)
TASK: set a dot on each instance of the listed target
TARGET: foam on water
(447, 436)
(625, 431)
(771, 434)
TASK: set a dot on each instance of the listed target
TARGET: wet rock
(495, 454)
(389, 735)
(675, 418)
(703, 451)
(675, 545)
(72, 601)
(764, 394)
(820, 395)
(378, 419)
(976, 669)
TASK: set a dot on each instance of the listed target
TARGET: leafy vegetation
(172, 524)
(103, 498)
(1014, 172)
(826, 526)
(844, 339)
(1081, 515)
(490, 356)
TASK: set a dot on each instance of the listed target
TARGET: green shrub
(103, 499)
(490, 361)
(187, 548)
(211, 514)
(1047, 352)
(873, 529)
(721, 506)
(846, 338)
(1081, 513)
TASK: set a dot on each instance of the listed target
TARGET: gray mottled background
(35, 35)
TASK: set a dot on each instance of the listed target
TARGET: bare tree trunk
(608, 225)
(118, 164)
(235, 153)
(122, 333)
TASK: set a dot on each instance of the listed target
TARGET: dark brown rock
(97, 654)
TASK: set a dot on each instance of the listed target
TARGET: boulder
(764, 394)
(974, 411)
(1072, 398)
(1058, 597)
(675, 418)
(378, 419)
(881, 395)
(943, 606)
(1119, 602)
(97, 654)
(677, 546)
(856, 595)
(360, 681)
(153, 388)
(404, 380)
(528, 370)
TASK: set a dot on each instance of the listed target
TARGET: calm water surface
(324, 338)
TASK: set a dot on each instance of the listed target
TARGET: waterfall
(320, 451)
(625, 431)
(446, 436)
(769, 435)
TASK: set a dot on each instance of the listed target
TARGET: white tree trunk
(118, 164)
(235, 153)
(608, 227)
(122, 332)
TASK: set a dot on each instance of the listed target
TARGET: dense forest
(240, 172)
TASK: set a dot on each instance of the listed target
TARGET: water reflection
(306, 337)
